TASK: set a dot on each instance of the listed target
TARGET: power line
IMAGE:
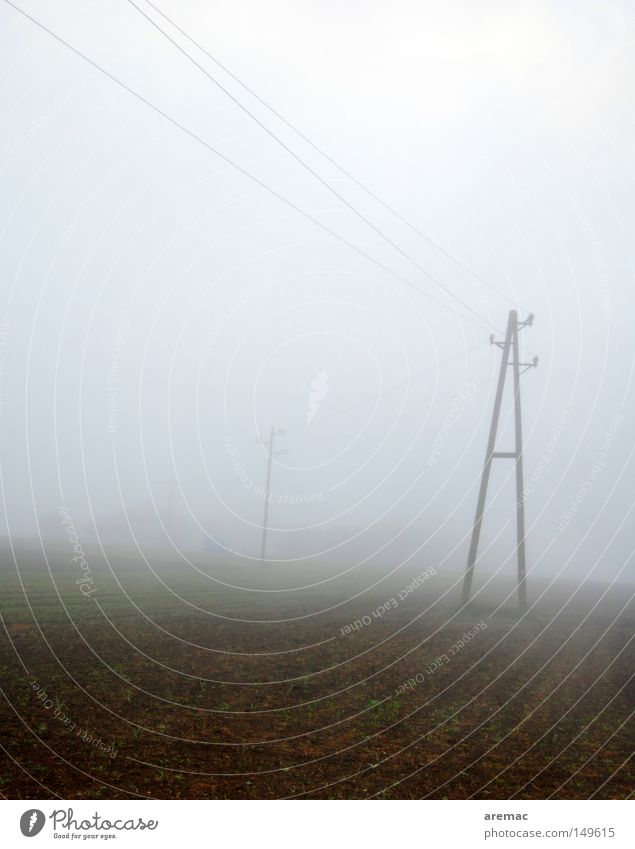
(292, 153)
(318, 149)
(397, 386)
(445, 400)
(235, 165)
(268, 443)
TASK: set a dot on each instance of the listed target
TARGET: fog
(162, 311)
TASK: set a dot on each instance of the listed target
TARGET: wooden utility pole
(268, 443)
(170, 500)
(509, 345)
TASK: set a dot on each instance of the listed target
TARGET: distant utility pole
(268, 443)
(509, 345)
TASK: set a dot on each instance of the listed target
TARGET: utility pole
(268, 443)
(169, 503)
(509, 345)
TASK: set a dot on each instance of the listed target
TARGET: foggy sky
(161, 311)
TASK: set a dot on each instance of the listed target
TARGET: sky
(179, 280)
